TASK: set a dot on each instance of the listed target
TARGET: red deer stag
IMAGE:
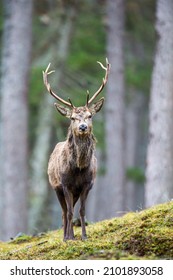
(72, 165)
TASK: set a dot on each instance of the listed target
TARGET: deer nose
(83, 127)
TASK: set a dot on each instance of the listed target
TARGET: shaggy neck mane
(81, 149)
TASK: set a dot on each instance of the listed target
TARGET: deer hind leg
(83, 198)
(62, 201)
(69, 202)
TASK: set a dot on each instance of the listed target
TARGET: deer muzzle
(83, 127)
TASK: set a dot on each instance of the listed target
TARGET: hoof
(84, 237)
(68, 238)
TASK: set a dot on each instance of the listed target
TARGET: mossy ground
(144, 235)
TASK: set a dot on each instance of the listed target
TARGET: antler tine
(45, 80)
(87, 98)
(70, 102)
(107, 69)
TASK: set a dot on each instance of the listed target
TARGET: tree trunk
(159, 172)
(115, 123)
(132, 113)
(14, 86)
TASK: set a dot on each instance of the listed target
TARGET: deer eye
(90, 116)
(73, 119)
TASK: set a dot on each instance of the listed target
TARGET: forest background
(134, 130)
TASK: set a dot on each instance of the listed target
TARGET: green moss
(144, 235)
(21, 238)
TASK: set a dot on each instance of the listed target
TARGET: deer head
(81, 117)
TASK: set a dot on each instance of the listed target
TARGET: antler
(107, 69)
(45, 80)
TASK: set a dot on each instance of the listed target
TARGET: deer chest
(77, 178)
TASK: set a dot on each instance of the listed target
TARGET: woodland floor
(144, 235)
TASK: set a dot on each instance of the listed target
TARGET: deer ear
(96, 107)
(63, 110)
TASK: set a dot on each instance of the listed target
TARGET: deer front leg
(69, 202)
(83, 198)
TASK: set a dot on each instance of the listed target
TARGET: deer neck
(81, 149)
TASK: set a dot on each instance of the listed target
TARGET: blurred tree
(132, 134)
(140, 38)
(63, 20)
(111, 192)
(115, 110)
(14, 109)
(159, 171)
(139, 42)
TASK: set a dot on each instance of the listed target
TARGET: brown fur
(72, 165)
